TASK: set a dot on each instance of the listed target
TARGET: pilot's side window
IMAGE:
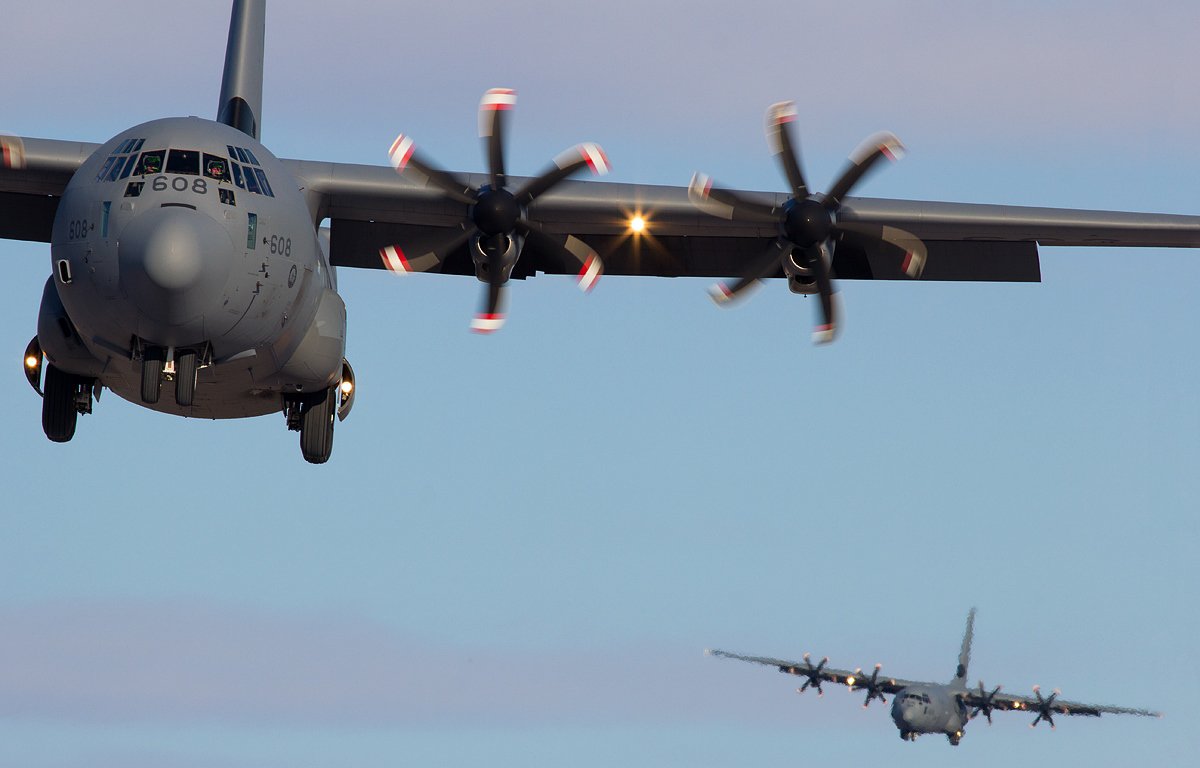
(216, 167)
(150, 162)
(237, 176)
(185, 161)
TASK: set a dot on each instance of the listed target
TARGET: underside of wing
(33, 175)
(1044, 707)
(817, 672)
(371, 208)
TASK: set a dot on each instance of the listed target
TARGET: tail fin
(964, 656)
(241, 85)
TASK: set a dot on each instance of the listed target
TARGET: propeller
(812, 673)
(808, 227)
(1044, 707)
(871, 684)
(986, 703)
(495, 219)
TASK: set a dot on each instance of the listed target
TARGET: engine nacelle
(508, 259)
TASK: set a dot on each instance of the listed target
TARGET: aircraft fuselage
(187, 234)
(929, 709)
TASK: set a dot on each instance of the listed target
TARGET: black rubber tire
(58, 405)
(152, 365)
(185, 378)
(316, 427)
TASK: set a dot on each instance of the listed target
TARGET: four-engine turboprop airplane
(945, 708)
(183, 251)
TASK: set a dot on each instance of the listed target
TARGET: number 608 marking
(180, 184)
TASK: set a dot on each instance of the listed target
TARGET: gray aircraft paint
(180, 276)
(919, 707)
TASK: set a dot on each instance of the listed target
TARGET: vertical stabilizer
(241, 85)
(964, 655)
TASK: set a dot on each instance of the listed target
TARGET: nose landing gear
(180, 365)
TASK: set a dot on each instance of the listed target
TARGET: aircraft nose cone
(174, 261)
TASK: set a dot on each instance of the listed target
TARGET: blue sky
(524, 542)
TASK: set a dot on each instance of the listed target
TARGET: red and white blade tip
(700, 186)
(823, 334)
(913, 264)
(394, 260)
(781, 112)
(590, 273)
(401, 151)
(721, 294)
(12, 152)
(595, 157)
(498, 98)
(487, 323)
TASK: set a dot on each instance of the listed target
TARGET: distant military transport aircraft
(183, 251)
(945, 708)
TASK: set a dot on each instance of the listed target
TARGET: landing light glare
(637, 225)
(31, 362)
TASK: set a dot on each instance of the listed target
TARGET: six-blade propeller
(496, 220)
(807, 222)
(986, 703)
(497, 225)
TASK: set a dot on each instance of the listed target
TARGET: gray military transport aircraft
(945, 708)
(183, 251)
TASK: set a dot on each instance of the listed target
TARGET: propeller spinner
(807, 222)
(496, 219)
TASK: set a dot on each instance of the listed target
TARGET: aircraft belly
(225, 391)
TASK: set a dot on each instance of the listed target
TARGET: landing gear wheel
(185, 378)
(152, 365)
(316, 427)
(954, 738)
(58, 405)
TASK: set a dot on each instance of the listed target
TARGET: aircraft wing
(371, 207)
(1041, 705)
(819, 671)
(33, 175)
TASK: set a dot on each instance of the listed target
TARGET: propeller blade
(491, 319)
(870, 152)
(779, 135)
(827, 328)
(728, 205)
(765, 266)
(568, 162)
(400, 263)
(492, 108)
(405, 159)
(574, 255)
(906, 247)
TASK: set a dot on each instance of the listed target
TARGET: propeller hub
(496, 211)
(806, 222)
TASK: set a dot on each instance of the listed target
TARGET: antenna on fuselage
(964, 655)
(241, 85)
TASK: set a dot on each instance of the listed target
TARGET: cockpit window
(184, 161)
(251, 182)
(216, 167)
(262, 182)
(237, 176)
(253, 159)
(150, 162)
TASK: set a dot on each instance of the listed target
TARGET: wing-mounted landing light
(33, 365)
(1045, 707)
(808, 227)
(986, 703)
(495, 219)
(869, 684)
